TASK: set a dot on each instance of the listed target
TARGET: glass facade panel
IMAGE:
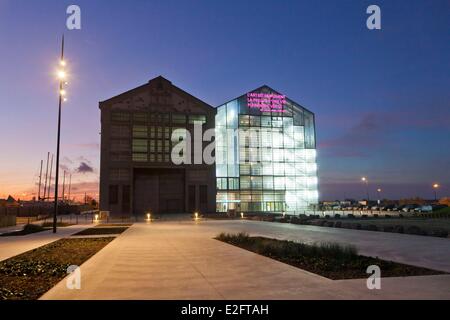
(270, 161)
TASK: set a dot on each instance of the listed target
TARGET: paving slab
(181, 260)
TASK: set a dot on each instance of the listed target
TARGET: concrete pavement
(181, 260)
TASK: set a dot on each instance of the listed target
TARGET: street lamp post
(61, 76)
(435, 187)
(379, 199)
(366, 181)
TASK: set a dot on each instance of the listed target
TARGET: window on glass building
(233, 183)
(221, 183)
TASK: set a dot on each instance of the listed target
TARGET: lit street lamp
(435, 187)
(379, 195)
(366, 181)
(62, 77)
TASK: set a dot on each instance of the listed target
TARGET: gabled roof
(158, 80)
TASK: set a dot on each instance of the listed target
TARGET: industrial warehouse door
(171, 191)
(145, 188)
(158, 191)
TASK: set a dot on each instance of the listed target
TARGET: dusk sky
(381, 97)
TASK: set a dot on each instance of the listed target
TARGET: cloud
(63, 167)
(368, 132)
(85, 168)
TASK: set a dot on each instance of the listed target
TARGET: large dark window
(113, 194)
(126, 199)
(203, 196)
(191, 198)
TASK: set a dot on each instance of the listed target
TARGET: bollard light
(149, 217)
(96, 217)
(196, 215)
(242, 215)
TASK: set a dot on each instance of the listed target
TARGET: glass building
(265, 154)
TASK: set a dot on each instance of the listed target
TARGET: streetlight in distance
(62, 75)
(366, 181)
(435, 187)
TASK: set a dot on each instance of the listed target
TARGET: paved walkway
(180, 260)
(12, 246)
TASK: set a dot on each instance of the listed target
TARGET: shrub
(346, 225)
(370, 227)
(364, 216)
(387, 215)
(350, 215)
(337, 216)
(399, 229)
(295, 220)
(30, 228)
(357, 226)
(327, 216)
(320, 223)
(415, 230)
(442, 233)
(329, 224)
(239, 238)
(400, 215)
(338, 224)
(375, 215)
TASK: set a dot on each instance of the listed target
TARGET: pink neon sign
(266, 102)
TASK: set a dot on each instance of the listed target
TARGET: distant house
(9, 202)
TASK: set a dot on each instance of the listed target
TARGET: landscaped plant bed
(31, 274)
(415, 226)
(101, 230)
(329, 260)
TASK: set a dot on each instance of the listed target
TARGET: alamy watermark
(374, 280)
(73, 21)
(73, 280)
(374, 20)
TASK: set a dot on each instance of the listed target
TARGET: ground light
(96, 218)
(149, 217)
(196, 215)
(242, 215)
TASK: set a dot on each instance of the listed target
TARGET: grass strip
(330, 260)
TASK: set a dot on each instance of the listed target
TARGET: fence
(7, 217)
